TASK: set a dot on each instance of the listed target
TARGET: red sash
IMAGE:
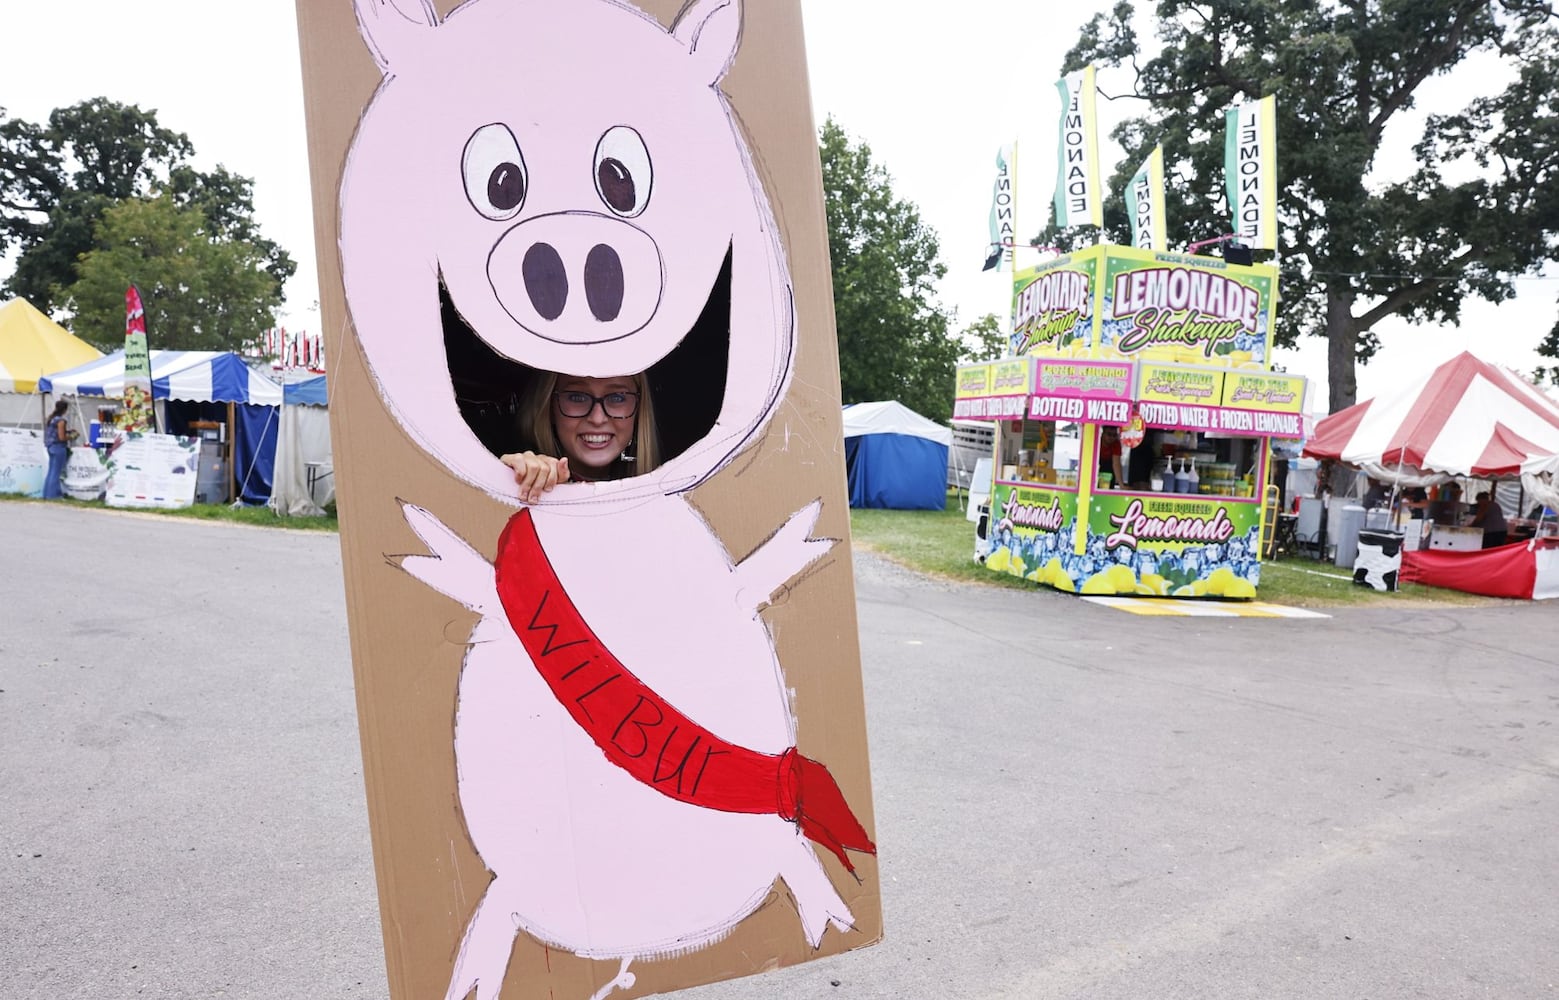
(643, 733)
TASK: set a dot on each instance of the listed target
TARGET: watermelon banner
(1250, 170)
(138, 414)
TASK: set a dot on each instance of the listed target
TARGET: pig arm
(454, 569)
(784, 554)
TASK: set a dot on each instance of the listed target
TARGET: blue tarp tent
(204, 377)
(895, 457)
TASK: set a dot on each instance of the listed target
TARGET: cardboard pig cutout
(561, 186)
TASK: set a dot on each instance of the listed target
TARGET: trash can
(1379, 559)
(1349, 523)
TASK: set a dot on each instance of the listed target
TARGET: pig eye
(494, 172)
(622, 171)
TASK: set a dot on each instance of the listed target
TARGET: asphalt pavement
(1071, 802)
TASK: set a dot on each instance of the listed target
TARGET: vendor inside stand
(1173, 461)
(1111, 475)
(1488, 516)
(1448, 509)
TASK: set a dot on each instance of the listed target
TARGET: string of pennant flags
(1250, 177)
(287, 350)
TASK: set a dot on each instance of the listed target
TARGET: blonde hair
(536, 428)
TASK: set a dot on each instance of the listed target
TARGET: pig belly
(587, 857)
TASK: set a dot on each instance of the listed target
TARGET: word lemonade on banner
(1052, 305)
(1079, 194)
(993, 390)
(1250, 171)
(1113, 302)
(1145, 203)
(1003, 221)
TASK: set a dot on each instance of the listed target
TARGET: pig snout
(577, 278)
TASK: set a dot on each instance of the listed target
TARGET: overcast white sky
(934, 88)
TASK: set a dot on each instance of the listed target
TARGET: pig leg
(486, 947)
(624, 980)
(816, 900)
(784, 554)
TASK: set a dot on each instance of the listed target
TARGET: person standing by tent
(56, 438)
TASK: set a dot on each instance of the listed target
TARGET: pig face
(559, 186)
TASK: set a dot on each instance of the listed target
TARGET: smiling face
(574, 199)
(594, 441)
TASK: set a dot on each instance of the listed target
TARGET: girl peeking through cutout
(585, 429)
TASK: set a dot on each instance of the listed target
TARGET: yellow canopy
(33, 345)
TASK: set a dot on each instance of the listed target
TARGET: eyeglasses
(617, 405)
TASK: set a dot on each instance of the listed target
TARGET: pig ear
(391, 27)
(711, 30)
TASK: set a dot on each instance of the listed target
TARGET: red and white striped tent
(1466, 418)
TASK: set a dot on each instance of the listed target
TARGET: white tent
(304, 480)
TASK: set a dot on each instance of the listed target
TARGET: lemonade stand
(1155, 364)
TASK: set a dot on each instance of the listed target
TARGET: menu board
(23, 461)
(152, 470)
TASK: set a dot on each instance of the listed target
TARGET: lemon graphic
(1218, 582)
(1240, 588)
(998, 560)
(1156, 584)
(1115, 580)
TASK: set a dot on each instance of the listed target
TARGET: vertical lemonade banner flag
(138, 413)
(1250, 170)
(1003, 209)
(1079, 195)
(1145, 203)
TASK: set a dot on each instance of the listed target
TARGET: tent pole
(232, 453)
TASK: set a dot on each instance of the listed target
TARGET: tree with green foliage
(58, 180)
(201, 290)
(983, 340)
(1481, 207)
(894, 340)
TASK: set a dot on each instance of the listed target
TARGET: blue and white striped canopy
(200, 376)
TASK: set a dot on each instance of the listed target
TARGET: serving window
(1039, 452)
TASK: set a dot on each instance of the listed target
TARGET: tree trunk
(1342, 342)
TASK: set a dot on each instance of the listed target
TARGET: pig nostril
(545, 280)
(604, 282)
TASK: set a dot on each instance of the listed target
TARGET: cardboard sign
(614, 738)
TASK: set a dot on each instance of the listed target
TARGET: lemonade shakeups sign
(1125, 304)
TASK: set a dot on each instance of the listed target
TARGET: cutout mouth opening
(687, 385)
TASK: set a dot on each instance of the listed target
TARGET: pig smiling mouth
(688, 384)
